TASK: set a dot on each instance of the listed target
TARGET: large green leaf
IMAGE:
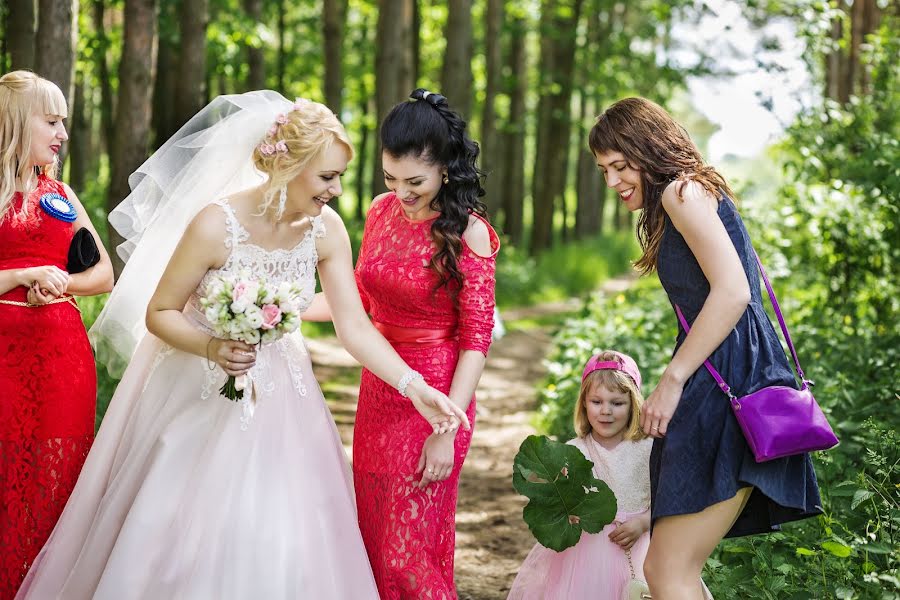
(564, 496)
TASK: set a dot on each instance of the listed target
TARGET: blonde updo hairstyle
(615, 381)
(309, 130)
(23, 95)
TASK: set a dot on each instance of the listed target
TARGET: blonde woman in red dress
(426, 276)
(48, 381)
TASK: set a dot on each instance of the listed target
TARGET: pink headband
(625, 364)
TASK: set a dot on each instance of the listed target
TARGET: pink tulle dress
(595, 567)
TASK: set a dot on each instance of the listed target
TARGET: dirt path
(491, 540)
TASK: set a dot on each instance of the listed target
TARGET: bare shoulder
(209, 226)
(684, 196)
(478, 237)
(335, 233)
(70, 193)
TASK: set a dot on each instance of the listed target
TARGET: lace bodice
(297, 264)
(625, 469)
(397, 286)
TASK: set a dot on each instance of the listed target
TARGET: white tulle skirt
(176, 501)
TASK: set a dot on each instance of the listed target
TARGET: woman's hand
(51, 280)
(436, 407)
(437, 459)
(660, 406)
(235, 357)
(37, 296)
(627, 533)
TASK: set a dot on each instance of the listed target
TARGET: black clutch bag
(83, 252)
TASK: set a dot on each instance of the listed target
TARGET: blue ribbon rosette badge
(58, 207)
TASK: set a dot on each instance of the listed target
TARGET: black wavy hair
(425, 127)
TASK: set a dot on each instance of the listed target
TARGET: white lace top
(297, 264)
(625, 469)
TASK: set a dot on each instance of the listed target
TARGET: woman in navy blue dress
(705, 483)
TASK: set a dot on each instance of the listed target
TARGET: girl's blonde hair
(23, 95)
(308, 131)
(615, 381)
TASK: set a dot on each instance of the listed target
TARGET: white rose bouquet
(253, 311)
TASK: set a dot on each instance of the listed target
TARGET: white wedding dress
(176, 501)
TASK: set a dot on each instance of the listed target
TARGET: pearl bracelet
(408, 377)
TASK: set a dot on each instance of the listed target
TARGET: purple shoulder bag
(777, 421)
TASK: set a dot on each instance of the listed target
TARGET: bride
(176, 500)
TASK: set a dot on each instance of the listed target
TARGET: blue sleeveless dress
(704, 459)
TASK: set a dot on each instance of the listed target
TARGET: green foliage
(564, 496)
(568, 270)
(850, 552)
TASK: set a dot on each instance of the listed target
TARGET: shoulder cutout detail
(480, 237)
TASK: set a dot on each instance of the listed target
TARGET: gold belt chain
(69, 299)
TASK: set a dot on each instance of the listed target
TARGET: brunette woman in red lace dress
(426, 276)
(47, 377)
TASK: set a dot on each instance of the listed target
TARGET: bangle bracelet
(209, 364)
(408, 377)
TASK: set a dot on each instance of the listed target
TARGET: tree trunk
(335, 12)
(393, 66)
(164, 90)
(857, 33)
(80, 142)
(20, 32)
(107, 100)
(490, 148)
(256, 58)
(132, 130)
(55, 43)
(55, 48)
(364, 52)
(190, 84)
(833, 66)
(590, 190)
(416, 43)
(456, 76)
(281, 63)
(559, 22)
(514, 135)
(589, 185)
(871, 22)
(365, 131)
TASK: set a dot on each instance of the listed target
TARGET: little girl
(600, 565)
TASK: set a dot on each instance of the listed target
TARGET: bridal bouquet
(252, 311)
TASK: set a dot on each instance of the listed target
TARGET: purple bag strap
(787, 336)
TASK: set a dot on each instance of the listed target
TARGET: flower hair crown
(280, 146)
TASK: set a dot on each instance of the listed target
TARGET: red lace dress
(410, 533)
(47, 393)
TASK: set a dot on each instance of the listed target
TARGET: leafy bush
(567, 270)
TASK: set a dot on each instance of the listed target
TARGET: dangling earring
(446, 178)
(282, 200)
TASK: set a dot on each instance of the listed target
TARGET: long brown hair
(661, 149)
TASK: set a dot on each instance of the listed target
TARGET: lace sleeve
(476, 298)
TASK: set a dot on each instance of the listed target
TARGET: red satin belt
(415, 335)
